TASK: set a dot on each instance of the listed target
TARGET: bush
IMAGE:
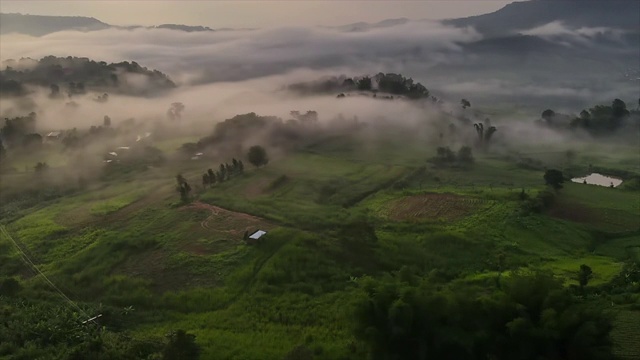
(10, 287)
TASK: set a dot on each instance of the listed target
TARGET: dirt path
(217, 211)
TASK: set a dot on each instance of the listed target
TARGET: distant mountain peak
(523, 15)
(39, 25)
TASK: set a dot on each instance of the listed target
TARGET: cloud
(246, 65)
(584, 34)
(202, 57)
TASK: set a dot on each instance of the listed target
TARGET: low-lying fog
(224, 73)
(570, 68)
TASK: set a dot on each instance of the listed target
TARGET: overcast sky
(217, 14)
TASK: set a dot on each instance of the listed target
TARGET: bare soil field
(433, 206)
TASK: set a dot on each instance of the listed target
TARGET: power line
(33, 266)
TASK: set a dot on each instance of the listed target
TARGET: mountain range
(39, 25)
(509, 20)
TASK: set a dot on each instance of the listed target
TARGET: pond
(598, 179)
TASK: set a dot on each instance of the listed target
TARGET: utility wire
(28, 261)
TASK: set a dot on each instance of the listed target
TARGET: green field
(127, 242)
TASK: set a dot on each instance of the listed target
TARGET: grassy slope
(125, 243)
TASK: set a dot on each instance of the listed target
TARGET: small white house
(54, 135)
(257, 235)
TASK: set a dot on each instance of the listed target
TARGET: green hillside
(343, 222)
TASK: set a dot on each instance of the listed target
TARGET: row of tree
(20, 131)
(225, 172)
(257, 156)
(387, 83)
(598, 120)
(446, 156)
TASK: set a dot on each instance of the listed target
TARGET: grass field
(129, 242)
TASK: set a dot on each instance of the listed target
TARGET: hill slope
(572, 13)
(39, 25)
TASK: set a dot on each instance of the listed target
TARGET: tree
(484, 137)
(548, 115)
(31, 140)
(364, 84)
(55, 91)
(584, 275)
(529, 317)
(106, 122)
(181, 346)
(465, 155)
(465, 103)
(223, 172)
(41, 167)
(554, 178)
(240, 167)
(180, 179)
(3, 151)
(584, 115)
(620, 112)
(257, 156)
(205, 180)
(212, 177)
(175, 111)
(445, 155)
(184, 189)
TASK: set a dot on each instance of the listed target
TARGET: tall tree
(554, 178)
(223, 172)
(548, 115)
(465, 155)
(3, 151)
(212, 177)
(584, 275)
(257, 156)
(205, 180)
(364, 84)
(175, 111)
(180, 179)
(106, 122)
(484, 136)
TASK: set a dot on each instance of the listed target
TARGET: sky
(252, 14)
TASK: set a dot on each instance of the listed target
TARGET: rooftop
(257, 235)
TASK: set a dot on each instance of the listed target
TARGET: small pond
(598, 179)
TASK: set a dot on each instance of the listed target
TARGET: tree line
(598, 120)
(531, 316)
(80, 75)
(257, 156)
(390, 83)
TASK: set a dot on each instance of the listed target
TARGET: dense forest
(389, 84)
(75, 75)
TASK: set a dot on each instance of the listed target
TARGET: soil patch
(433, 207)
(222, 229)
(574, 212)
